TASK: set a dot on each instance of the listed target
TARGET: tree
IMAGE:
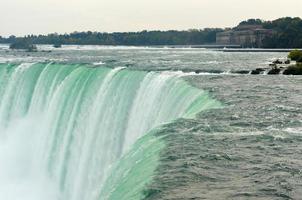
(24, 44)
(287, 33)
(252, 22)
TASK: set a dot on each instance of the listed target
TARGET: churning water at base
(72, 132)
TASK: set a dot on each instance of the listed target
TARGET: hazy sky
(21, 17)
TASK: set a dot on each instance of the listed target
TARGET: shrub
(295, 55)
(294, 70)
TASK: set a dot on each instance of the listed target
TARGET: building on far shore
(244, 35)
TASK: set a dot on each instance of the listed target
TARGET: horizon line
(137, 31)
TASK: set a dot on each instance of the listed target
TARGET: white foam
(21, 177)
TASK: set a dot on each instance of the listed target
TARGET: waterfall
(73, 132)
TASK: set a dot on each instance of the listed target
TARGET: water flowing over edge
(75, 132)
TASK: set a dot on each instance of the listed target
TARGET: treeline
(287, 33)
(190, 37)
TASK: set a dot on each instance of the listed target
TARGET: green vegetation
(190, 37)
(286, 33)
(23, 44)
(252, 22)
(296, 55)
(294, 70)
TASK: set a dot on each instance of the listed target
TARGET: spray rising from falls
(72, 131)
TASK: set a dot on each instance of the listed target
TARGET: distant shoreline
(253, 33)
(220, 48)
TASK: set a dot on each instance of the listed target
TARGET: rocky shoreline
(276, 70)
(284, 67)
(277, 67)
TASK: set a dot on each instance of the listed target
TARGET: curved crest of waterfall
(72, 132)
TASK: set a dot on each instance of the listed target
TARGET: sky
(21, 17)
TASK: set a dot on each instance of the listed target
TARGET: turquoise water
(139, 123)
(81, 133)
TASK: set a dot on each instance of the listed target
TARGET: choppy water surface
(146, 58)
(245, 143)
(251, 149)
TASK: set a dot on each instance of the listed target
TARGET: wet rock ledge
(280, 67)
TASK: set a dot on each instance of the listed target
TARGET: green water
(89, 133)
